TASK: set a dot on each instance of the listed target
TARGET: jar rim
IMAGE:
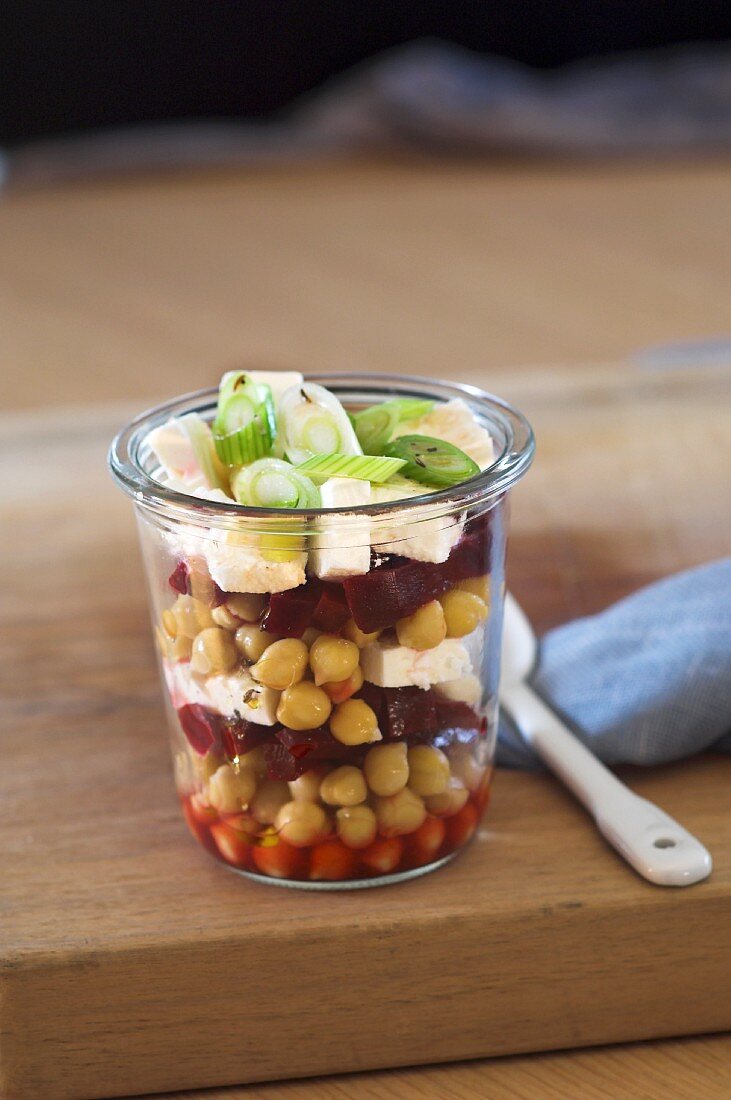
(510, 430)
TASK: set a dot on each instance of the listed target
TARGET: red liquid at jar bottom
(240, 842)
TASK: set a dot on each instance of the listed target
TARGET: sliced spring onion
(312, 421)
(374, 427)
(362, 467)
(409, 408)
(245, 424)
(272, 483)
(201, 440)
(432, 461)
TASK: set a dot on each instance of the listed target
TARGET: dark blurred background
(78, 64)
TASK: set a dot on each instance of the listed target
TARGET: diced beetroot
(290, 613)
(202, 727)
(281, 764)
(456, 714)
(332, 611)
(240, 736)
(313, 746)
(374, 696)
(409, 713)
(178, 579)
(458, 723)
(399, 586)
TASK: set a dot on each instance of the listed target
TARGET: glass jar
(330, 676)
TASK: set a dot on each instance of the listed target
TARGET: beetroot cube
(281, 764)
(332, 611)
(312, 746)
(409, 713)
(240, 736)
(290, 613)
(178, 579)
(202, 727)
(400, 585)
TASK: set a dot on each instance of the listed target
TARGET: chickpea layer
(213, 652)
(463, 612)
(282, 664)
(305, 706)
(333, 659)
(354, 723)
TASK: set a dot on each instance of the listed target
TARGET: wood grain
(133, 963)
(684, 1069)
(151, 286)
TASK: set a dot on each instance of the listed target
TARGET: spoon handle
(650, 840)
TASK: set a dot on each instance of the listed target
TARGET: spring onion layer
(362, 467)
(273, 483)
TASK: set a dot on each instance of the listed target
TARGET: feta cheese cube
(237, 693)
(243, 568)
(172, 448)
(413, 534)
(342, 548)
(227, 693)
(389, 664)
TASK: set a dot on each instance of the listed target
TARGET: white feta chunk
(412, 533)
(342, 547)
(228, 694)
(465, 689)
(389, 664)
(238, 693)
(172, 448)
(245, 568)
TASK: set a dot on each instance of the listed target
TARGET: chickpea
(386, 768)
(255, 761)
(465, 768)
(449, 802)
(306, 788)
(352, 631)
(182, 648)
(356, 826)
(205, 766)
(169, 623)
(191, 616)
(400, 813)
(303, 706)
(282, 664)
(246, 605)
(479, 586)
(228, 792)
(428, 770)
(344, 787)
(270, 796)
(354, 723)
(463, 612)
(340, 690)
(424, 629)
(223, 617)
(301, 823)
(213, 652)
(251, 640)
(333, 658)
(311, 635)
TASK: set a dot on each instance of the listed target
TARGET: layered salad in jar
(331, 669)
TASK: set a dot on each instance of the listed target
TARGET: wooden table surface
(137, 288)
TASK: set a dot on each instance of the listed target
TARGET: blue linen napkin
(646, 681)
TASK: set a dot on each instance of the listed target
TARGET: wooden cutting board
(131, 962)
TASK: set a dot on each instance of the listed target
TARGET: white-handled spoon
(650, 840)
